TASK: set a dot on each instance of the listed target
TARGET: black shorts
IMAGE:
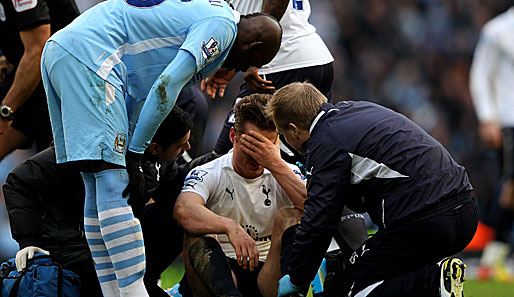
(246, 280)
(321, 77)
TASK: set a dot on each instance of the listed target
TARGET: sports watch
(6, 112)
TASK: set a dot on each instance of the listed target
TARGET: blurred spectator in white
(492, 89)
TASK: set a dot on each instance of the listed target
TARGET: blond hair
(252, 109)
(296, 103)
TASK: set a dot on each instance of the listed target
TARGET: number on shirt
(298, 4)
(144, 3)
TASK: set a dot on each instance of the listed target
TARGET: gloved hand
(26, 254)
(285, 287)
(136, 185)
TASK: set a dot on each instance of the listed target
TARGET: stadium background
(410, 55)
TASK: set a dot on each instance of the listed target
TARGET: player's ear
(294, 128)
(252, 46)
(154, 149)
(232, 135)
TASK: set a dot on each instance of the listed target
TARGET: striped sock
(103, 265)
(121, 232)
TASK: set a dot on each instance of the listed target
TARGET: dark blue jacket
(373, 160)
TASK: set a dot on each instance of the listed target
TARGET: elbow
(33, 53)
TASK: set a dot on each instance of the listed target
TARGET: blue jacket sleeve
(161, 99)
(330, 169)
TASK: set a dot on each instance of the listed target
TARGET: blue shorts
(88, 114)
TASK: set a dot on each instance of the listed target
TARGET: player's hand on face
(261, 149)
(217, 82)
(257, 83)
(246, 249)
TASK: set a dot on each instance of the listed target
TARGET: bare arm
(267, 154)
(28, 74)
(191, 213)
(276, 8)
(293, 186)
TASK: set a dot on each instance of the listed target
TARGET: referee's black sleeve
(33, 17)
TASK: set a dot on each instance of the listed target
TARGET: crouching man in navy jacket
(375, 160)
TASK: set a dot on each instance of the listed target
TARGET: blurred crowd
(414, 56)
(411, 55)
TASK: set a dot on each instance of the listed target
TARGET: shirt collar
(322, 111)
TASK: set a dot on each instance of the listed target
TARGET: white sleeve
(200, 181)
(482, 75)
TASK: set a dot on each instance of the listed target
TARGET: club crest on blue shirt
(119, 143)
(210, 49)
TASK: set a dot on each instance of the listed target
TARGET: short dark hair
(174, 127)
(258, 14)
(252, 109)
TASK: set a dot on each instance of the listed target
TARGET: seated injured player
(235, 209)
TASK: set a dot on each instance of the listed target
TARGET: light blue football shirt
(131, 43)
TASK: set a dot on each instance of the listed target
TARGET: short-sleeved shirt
(16, 16)
(250, 202)
(130, 42)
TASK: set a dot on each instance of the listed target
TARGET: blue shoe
(319, 281)
(173, 291)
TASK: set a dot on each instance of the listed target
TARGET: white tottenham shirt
(250, 202)
(492, 71)
(301, 45)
